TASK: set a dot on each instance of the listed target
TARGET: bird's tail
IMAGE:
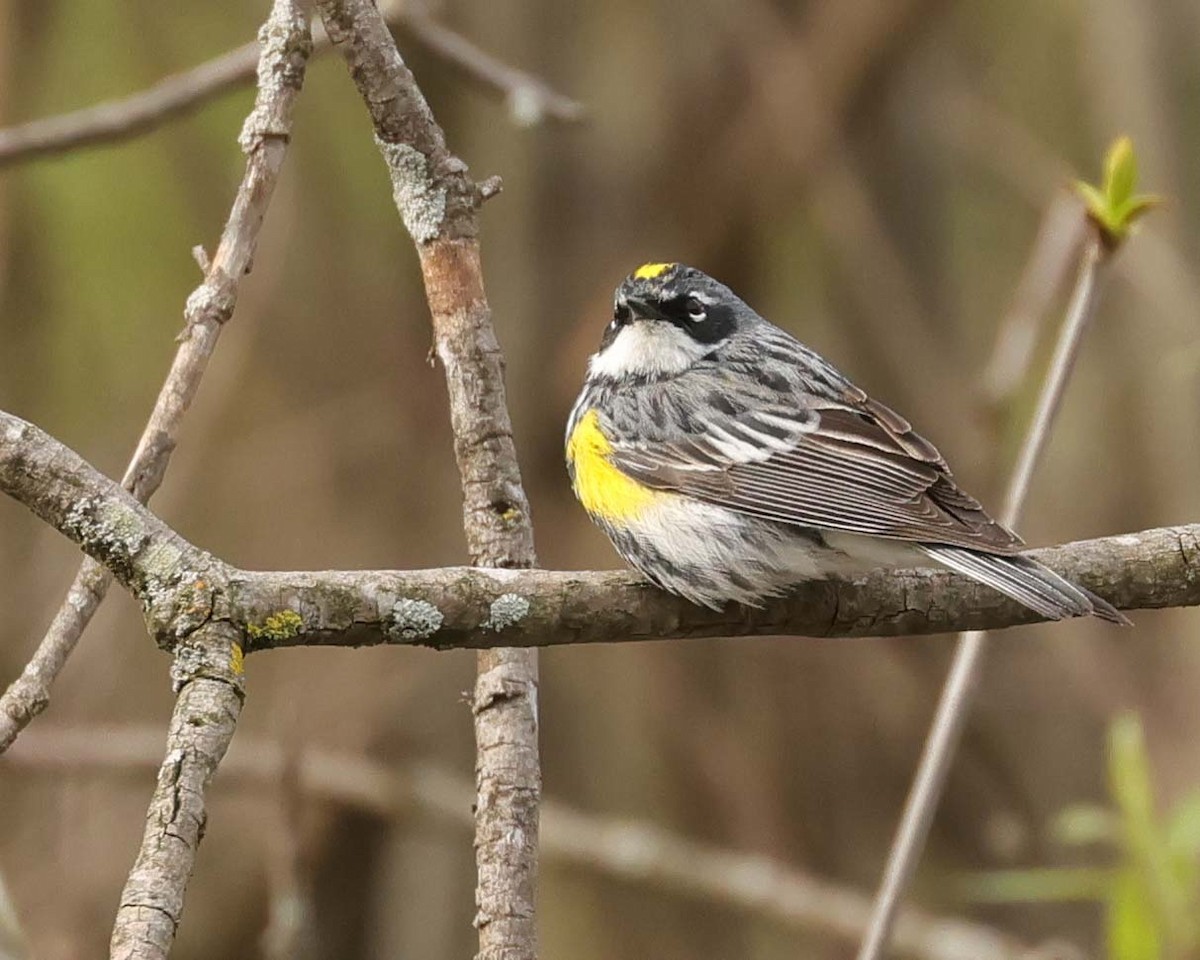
(1028, 582)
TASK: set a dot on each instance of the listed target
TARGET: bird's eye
(695, 309)
(621, 316)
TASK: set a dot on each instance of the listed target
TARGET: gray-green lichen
(106, 527)
(414, 619)
(507, 610)
(422, 204)
(176, 604)
(15, 431)
(188, 663)
(286, 46)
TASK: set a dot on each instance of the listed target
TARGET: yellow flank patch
(648, 271)
(603, 489)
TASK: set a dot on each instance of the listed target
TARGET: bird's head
(667, 317)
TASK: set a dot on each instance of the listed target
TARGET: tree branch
(530, 99)
(114, 121)
(438, 203)
(264, 139)
(182, 587)
(208, 676)
(118, 532)
(632, 851)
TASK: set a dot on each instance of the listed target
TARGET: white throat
(647, 349)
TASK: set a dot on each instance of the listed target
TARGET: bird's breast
(605, 492)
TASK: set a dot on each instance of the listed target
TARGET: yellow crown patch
(648, 271)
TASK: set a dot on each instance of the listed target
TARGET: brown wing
(849, 464)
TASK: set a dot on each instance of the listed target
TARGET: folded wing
(848, 464)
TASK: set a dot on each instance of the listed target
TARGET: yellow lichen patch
(278, 626)
(603, 490)
(237, 661)
(648, 271)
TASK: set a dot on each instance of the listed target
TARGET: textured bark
(208, 676)
(499, 534)
(286, 45)
(438, 203)
(181, 586)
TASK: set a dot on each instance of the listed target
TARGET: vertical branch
(208, 675)
(286, 47)
(438, 203)
(499, 534)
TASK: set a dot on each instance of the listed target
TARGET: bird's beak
(643, 310)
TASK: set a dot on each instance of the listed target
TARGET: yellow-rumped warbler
(727, 461)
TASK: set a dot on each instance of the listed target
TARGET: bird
(728, 462)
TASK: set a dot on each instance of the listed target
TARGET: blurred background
(872, 175)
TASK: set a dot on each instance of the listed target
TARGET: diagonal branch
(264, 139)
(438, 203)
(958, 692)
(123, 119)
(530, 99)
(182, 586)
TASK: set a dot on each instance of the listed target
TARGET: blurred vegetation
(1151, 896)
(870, 174)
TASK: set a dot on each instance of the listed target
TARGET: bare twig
(530, 99)
(958, 694)
(438, 203)
(632, 851)
(1060, 237)
(181, 586)
(288, 933)
(264, 139)
(116, 120)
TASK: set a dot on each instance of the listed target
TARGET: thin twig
(123, 119)
(264, 139)
(288, 934)
(1056, 247)
(530, 99)
(180, 585)
(958, 694)
(439, 203)
(629, 850)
